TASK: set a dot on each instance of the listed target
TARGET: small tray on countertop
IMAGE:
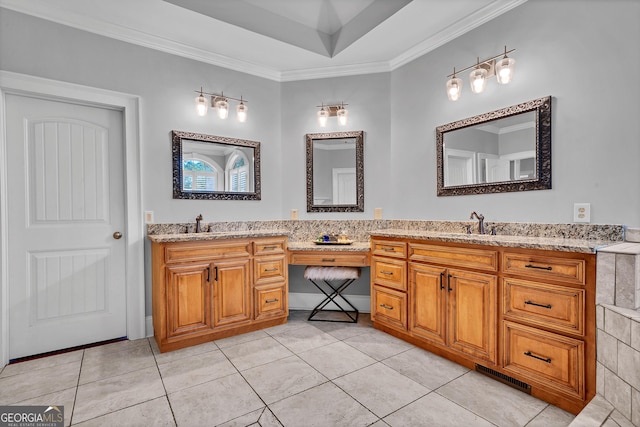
(335, 242)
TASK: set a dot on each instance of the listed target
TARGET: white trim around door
(134, 230)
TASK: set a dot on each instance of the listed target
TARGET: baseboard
(304, 301)
(148, 321)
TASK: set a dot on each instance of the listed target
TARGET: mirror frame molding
(359, 205)
(542, 107)
(176, 160)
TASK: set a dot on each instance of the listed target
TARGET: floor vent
(517, 384)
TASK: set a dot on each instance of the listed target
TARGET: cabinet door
(231, 287)
(473, 313)
(427, 296)
(188, 299)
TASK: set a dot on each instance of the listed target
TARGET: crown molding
(48, 11)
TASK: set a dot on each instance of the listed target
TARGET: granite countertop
(311, 246)
(190, 237)
(547, 243)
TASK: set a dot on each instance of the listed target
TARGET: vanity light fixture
(501, 68)
(221, 103)
(337, 110)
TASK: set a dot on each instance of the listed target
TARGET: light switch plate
(148, 217)
(377, 213)
(582, 212)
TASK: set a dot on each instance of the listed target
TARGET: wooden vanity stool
(346, 276)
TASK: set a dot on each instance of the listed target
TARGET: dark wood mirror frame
(542, 179)
(177, 138)
(359, 166)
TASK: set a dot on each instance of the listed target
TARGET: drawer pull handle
(389, 249)
(387, 273)
(269, 247)
(328, 260)
(388, 307)
(270, 269)
(271, 300)
(538, 267)
(544, 359)
(538, 305)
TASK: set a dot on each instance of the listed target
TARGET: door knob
(117, 235)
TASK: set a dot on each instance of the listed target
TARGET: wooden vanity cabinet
(520, 314)
(452, 306)
(207, 290)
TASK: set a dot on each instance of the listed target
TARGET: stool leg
(337, 291)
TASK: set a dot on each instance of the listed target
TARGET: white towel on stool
(331, 273)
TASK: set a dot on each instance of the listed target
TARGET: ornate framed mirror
(208, 167)
(335, 172)
(500, 151)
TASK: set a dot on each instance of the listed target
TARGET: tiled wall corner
(626, 277)
(635, 334)
(607, 350)
(632, 235)
(617, 325)
(606, 278)
(618, 393)
(628, 363)
(618, 360)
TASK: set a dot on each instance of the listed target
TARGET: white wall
(369, 110)
(165, 84)
(583, 53)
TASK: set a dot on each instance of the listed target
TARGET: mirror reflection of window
(198, 175)
(238, 173)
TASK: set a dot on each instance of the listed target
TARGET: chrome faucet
(198, 228)
(480, 219)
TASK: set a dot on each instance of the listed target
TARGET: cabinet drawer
(269, 247)
(389, 272)
(479, 259)
(355, 259)
(390, 249)
(197, 251)
(270, 300)
(389, 307)
(553, 360)
(269, 269)
(557, 307)
(544, 267)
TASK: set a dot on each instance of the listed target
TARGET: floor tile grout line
(164, 387)
(75, 395)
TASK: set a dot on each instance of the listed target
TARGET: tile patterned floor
(300, 374)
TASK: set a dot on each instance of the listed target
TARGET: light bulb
(201, 105)
(241, 111)
(504, 70)
(223, 108)
(323, 115)
(478, 79)
(454, 88)
(342, 116)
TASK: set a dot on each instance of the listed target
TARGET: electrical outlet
(377, 213)
(294, 213)
(582, 212)
(148, 217)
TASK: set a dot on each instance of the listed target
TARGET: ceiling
(282, 40)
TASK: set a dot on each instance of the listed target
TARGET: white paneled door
(66, 206)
